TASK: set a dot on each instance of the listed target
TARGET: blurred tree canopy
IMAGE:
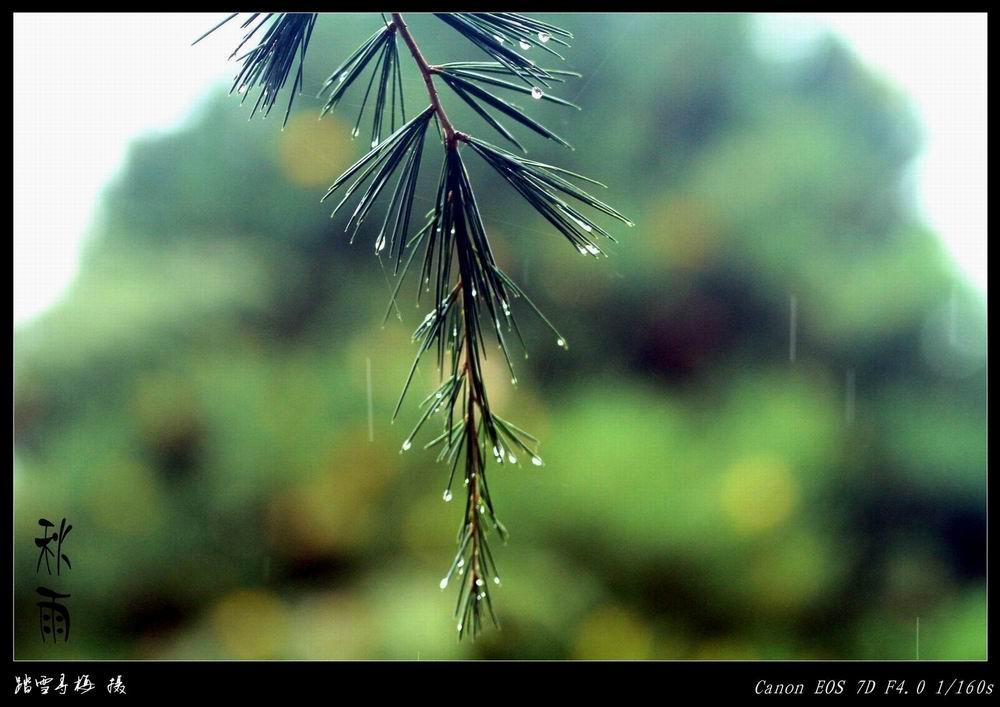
(196, 405)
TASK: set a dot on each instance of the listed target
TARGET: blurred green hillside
(196, 405)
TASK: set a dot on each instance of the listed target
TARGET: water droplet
(581, 249)
(498, 38)
(473, 291)
(443, 583)
(461, 561)
(586, 227)
(513, 381)
(593, 249)
(537, 461)
(355, 132)
(460, 627)
(561, 342)
(407, 444)
(447, 496)
(479, 582)
(496, 580)
(380, 244)
(375, 143)
(511, 458)
(536, 93)
(524, 45)
(342, 77)
(543, 37)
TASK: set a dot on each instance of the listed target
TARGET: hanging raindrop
(543, 37)
(537, 461)
(524, 45)
(536, 93)
(447, 496)
(406, 445)
(443, 583)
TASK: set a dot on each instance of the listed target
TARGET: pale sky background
(75, 110)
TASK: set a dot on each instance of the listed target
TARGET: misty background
(767, 438)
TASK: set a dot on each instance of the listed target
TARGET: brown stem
(474, 462)
(473, 459)
(427, 72)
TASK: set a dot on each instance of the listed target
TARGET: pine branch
(455, 216)
(269, 64)
(472, 296)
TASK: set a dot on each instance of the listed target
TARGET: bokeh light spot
(758, 493)
(613, 633)
(251, 624)
(312, 153)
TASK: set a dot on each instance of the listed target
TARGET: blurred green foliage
(196, 404)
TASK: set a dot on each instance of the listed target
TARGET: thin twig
(427, 72)
(474, 465)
